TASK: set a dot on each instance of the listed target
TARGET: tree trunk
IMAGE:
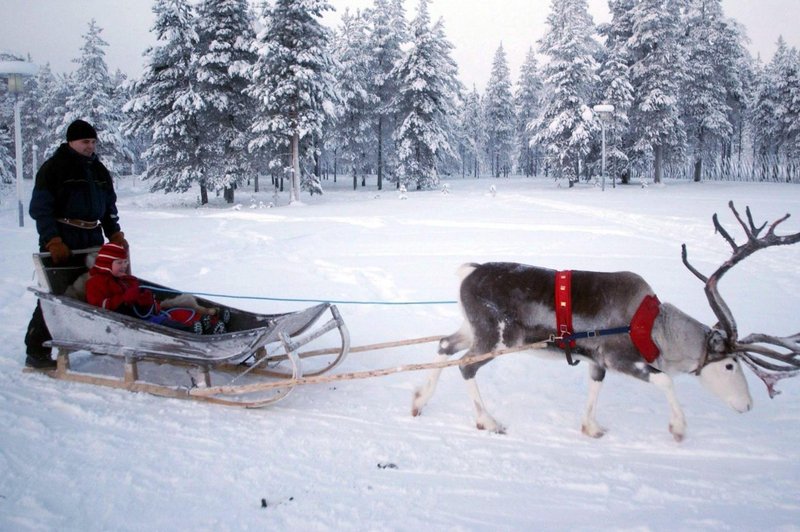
(658, 152)
(317, 159)
(228, 194)
(335, 165)
(294, 192)
(698, 170)
(203, 193)
(380, 153)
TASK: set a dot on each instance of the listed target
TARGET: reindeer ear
(716, 341)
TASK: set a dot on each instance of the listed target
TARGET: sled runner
(149, 357)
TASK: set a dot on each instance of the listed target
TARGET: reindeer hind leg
(448, 346)
(483, 419)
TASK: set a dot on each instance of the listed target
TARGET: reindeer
(508, 305)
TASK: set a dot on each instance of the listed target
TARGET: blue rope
(302, 300)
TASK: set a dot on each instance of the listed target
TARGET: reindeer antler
(751, 349)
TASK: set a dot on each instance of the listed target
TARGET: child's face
(119, 267)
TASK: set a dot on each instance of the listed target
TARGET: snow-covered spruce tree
(615, 86)
(775, 115)
(120, 96)
(792, 120)
(657, 77)
(291, 82)
(426, 102)
(762, 120)
(355, 112)
(46, 98)
(388, 32)
(7, 157)
(527, 102)
(92, 99)
(499, 109)
(473, 132)
(54, 110)
(165, 105)
(737, 150)
(223, 59)
(713, 82)
(785, 69)
(566, 126)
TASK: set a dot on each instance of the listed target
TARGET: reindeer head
(770, 357)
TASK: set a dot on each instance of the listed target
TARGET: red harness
(564, 306)
(640, 329)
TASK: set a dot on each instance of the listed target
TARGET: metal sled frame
(256, 346)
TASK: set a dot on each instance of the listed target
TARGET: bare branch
(792, 343)
(721, 230)
(740, 252)
(769, 379)
(755, 230)
(684, 256)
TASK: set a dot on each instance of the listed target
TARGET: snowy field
(349, 456)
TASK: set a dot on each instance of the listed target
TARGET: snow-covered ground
(349, 456)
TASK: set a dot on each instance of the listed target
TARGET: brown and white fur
(507, 305)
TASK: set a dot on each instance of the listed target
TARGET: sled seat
(58, 279)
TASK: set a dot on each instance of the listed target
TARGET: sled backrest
(56, 279)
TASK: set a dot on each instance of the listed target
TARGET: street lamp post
(605, 111)
(16, 71)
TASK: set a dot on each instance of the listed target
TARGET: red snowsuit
(125, 295)
(121, 294)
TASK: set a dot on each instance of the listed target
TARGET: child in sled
(111, 287)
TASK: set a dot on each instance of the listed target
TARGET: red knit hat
(108, 254)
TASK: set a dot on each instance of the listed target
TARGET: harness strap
(640, 329)
(563, 296)
(599, 332)
(566, 342)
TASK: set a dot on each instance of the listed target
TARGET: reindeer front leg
(589, 425)
(677, 421)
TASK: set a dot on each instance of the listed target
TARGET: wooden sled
(152, 358)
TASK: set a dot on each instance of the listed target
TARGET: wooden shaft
(256, 387)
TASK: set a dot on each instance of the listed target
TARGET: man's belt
(81, 224)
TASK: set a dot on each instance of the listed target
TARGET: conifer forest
(272, 97)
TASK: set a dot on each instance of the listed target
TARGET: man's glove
(131, 295)
(58, 250)
(118, 238)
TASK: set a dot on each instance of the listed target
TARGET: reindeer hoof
(491, 427)
(417, 403)
(593, 432)
(677, 435)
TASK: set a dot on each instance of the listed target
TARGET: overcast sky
(51, 30)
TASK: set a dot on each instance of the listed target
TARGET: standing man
(73, 203)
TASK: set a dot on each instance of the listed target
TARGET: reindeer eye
(729, 367)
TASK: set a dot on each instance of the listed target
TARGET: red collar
(642, 328)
